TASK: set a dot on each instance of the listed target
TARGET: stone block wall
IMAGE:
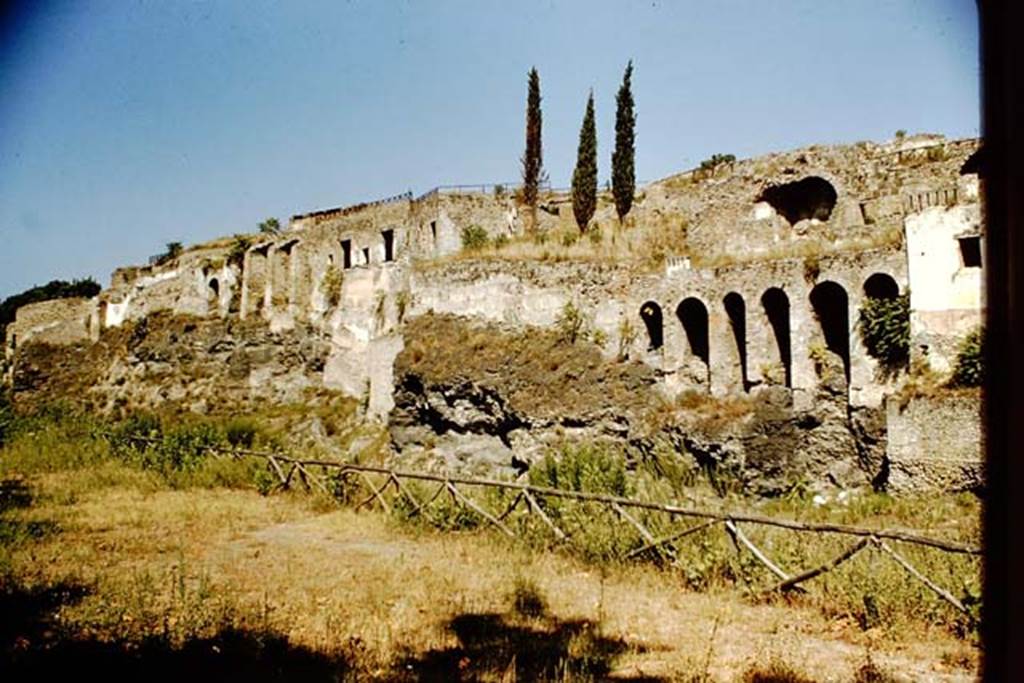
(935, 443)
(57, 322)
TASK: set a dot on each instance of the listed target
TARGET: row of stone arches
(829, 302)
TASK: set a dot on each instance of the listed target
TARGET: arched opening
(213, 295)
(736, 309)
(776, 309)
(831, 306)
(651, 314)
(693, 315)
(811, 197)
(975, 163)
(881, 286)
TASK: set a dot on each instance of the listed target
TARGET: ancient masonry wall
(58, 322)
(726, 330)
(935, 443)
(354, 274)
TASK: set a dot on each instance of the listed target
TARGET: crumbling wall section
(945, 247)
(56, 322)
(935, 443)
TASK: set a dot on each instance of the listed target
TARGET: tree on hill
(271, 226)
(584, 178)
(532, 160)
(624, 155)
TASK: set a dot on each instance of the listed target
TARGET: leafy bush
(970, 361)
(173, 251)
(271, 226)
(474, 238)
(716, 160)
(571, 324)
(885, 330)
(584, 468)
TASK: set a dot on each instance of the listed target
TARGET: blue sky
(128, 124)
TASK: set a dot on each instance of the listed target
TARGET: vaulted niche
(693, 315)
(832, 308)
(736, 309)
(776, 309)
(881, 286)
(650, 312)
(811, 197)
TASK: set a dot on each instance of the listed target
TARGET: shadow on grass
(32, 648)
(14, 495)
(490, 646)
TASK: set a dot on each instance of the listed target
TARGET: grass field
(139, 569)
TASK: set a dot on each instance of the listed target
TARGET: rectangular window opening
(389, 245)
(970, 252)
(346, 253)
(366, 256)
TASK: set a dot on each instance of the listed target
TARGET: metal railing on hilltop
(478, 188)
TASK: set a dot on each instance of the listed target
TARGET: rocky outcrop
(474, 398)
(198, 364)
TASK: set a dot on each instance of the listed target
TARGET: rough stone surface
(935, 443)
(341, 300)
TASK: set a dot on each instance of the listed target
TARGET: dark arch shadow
(776, 309)
(693, 315)
(810, 197)
(832, 307)
(881, 286)
(650, 312)
(736, 309)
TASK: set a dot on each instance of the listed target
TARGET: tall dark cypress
(532, 159)
(584, 178)
(624, 156)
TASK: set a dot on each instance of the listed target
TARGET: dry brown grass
(397, 603)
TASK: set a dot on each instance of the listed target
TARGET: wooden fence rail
(533, 496)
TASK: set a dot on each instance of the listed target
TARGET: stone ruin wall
(935, 443)
(686, 318)
(534, 294)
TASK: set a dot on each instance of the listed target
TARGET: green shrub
(271, 226)
(173, 251)
(885, 330)
(571, 324)
(582, 468)
(474, 238)
(970, 361)
(241, 432)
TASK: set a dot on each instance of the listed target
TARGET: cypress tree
(532, 160)
(584, 178)
(623, 158)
